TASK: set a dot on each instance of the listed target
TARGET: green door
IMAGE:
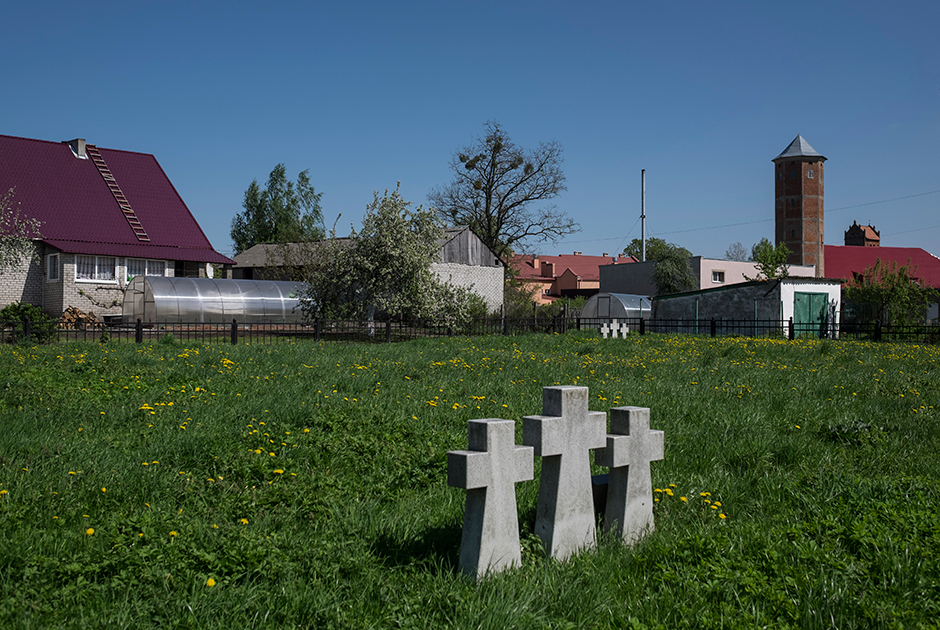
(809, 313)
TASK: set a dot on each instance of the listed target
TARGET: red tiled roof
(80, 215)
(584, 266)
(843, 261)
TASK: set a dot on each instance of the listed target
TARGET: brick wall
(23, 283)
(799, 219)
(487, 282)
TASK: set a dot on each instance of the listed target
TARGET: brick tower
(798, 206)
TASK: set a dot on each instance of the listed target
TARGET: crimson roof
(842, 261)
(80, 215)
(584, 266)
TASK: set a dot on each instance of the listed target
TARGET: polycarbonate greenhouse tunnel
(155, 299)
(616, 305)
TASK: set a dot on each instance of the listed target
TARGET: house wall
(736, 270)
(635, 278)
(466, 248)
(23, 283)
(487, 282)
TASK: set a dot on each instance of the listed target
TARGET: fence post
(714, 328)
(505, 325)
(234, 332)
(878, 330)
(316, 330)
(27, 330)
(642, 325)
(388, 330)
(138, 332)
(578, 322)
(791, 334)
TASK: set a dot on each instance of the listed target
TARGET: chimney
(536, 263)
(78, 147)
(604, 254)
(577, 253)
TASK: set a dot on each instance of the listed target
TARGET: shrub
(42, 327)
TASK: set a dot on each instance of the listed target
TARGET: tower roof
(799, 148)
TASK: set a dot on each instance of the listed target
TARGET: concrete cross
(488, 472)
(605, 330)
(563, 437)
(631, 447)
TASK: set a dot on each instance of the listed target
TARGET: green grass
(308, 482)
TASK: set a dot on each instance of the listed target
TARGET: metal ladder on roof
(124, 204)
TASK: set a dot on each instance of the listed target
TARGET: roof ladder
(132, 220)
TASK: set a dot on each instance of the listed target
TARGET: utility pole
(643, 214)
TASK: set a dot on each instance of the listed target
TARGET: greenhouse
(616, 306)
(156, 299)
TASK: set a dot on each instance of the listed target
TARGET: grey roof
(799, 148)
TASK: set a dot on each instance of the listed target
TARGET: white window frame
(100, 267)
(53, 273)
(809, 174)
(718, 276)
(150, 267)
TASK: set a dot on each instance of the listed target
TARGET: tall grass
(175, 485)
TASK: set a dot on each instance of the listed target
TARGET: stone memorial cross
(489, 471)
(631, 447)
(563, 437)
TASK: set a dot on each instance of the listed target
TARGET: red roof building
(565, 275)
(843, 262)
(106, 215)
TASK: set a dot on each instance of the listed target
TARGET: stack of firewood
(77, 319)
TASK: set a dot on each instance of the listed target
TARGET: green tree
(771, 262)
(656, 248)
(17, 233)
(385, 269)
(673, 272)
(282, 212)
(890, 293)
(496, 186)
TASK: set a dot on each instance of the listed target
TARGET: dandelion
(3, 492)
(683, 499)
(243, 521)
(104, 489)
(90, 531)
(210, 582)
(722, 516)
(173, 533)
(278, 471)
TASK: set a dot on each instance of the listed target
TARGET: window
(792, 174)
(809, 174)
(140, 267)
(547, 291)
(52, 268)
(718, 277)
(100, 268)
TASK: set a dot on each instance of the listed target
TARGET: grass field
(172, 485)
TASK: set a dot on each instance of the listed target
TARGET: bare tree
(496, 184)
(736, 251)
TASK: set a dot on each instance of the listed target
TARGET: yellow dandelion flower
(243, 521)
(3, 492)
(722, 516)
(173, 533)
(104, 489)
(278, 471)
(90, 531)
(683, 499)
(210, 582)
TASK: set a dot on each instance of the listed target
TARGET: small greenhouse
(616, 306)
(156, 299)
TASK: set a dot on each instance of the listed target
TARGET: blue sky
(366, 94)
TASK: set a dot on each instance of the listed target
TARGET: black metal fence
(389, 331)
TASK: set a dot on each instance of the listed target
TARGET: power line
(728, 225)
